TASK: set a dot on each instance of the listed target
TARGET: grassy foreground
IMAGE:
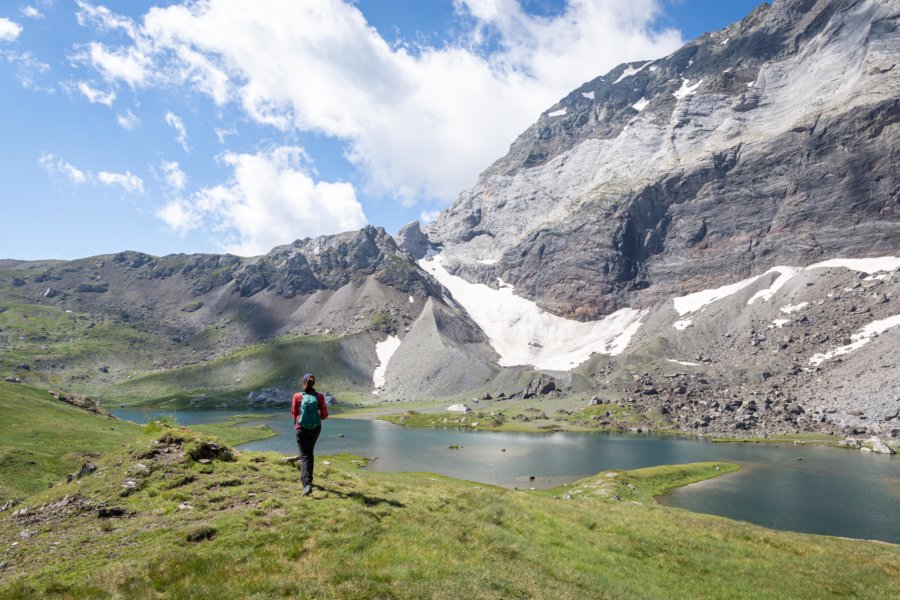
(162, 517)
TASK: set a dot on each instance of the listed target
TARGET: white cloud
(128, 121)
(173, 176)
(427, 216)
(57, 166)
(9, 30)
(127, 181)
(103, 19)
(96, 96)
(177, 123)
(180, 216)
(270, 199)
(128, 65)
(420, 122)
(30, 71)
(223, 133)
(30, 12)
(54, 165)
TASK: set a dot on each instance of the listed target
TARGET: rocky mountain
(771, 142)
(709, 241)
(357, 287)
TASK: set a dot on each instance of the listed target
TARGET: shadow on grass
(363, 499)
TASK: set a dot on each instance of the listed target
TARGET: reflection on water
(829, 491)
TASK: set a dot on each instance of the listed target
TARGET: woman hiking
(308, 410)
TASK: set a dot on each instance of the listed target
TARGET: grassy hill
(155, 521)
(44, 439)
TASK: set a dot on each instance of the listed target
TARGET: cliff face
(773, 141)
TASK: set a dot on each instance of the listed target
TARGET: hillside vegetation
(170, 515)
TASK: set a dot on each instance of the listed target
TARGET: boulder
(594, 401)
(460, 408)
(794, 408)
(12, 380)
(539, 387)
(879, 447)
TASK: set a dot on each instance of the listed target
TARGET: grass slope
(42, 439)
(240, 530)
(275, 363)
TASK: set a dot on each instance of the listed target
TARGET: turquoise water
(830, 491)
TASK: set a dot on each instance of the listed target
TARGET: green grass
(275, 363)
(42, 439)
(806, 439)
(240, 530)
(504, 417)
(75, 343)
(235, 431)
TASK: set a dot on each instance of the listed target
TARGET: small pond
(810, 489)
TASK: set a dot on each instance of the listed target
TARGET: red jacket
(295, 407)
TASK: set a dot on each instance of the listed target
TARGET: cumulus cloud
(270, 199)
(418, 122)
(54, 165)
(96, 96)
(128, 121)
(127, 181)
(177, 123)
(180, 216)
(9, 30)
(173, 176)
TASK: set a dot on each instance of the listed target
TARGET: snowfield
(524, 334)
(384, 350)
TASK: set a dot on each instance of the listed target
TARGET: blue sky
(209, 126)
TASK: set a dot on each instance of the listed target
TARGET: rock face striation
(771, 142)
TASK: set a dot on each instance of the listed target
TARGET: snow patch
(785, 275)
(683, 362)
(488, 261)
(384, 350)
(700, 300)
(588, 95)
(686, 89)
(557, 113)
(652, 68)
(640, 104)
(629, 71)
(725, 41)
(792, 308)
(524, 334)
(412, 300)
(683, 324)
(779, 323)
(863, 265)
(458, 408)
(859, 339)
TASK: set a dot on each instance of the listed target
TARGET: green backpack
(309, 412)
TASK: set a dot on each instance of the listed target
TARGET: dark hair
(309, 385)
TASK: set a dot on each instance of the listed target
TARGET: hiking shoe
(307, 490)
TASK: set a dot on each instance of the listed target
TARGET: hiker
(308, 410)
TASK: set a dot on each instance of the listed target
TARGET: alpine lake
(810, 489)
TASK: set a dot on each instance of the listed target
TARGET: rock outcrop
(773, 141)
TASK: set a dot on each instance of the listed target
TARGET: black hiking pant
(306, 442)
